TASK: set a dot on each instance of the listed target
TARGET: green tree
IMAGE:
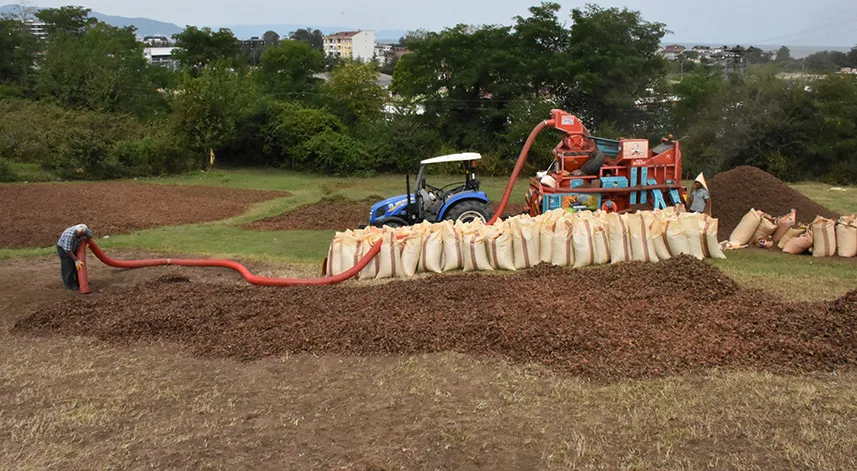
(826, 61)
(542, 43)
(271, 38)
(466, 78)
(66, 20)
(209, 108)
(312, 37)
(102, 68)
(198, 48)
(18, 48)
(754, 55)
(353, 94)
(836, 124)
(415, 35)
(784, 54)
(615, 59)
(288, 69)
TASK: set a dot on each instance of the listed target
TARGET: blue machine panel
(644, 177)
(614, 182)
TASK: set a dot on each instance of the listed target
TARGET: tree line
(85, 104)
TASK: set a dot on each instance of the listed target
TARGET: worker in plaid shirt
(66, 248)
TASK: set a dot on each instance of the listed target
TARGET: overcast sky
(817, 22)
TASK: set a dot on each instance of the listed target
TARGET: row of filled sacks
(823, 237)
(558, 237)
(761, 229)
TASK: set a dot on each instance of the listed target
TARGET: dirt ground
(735, 192)
(644, 328)
(35, 214)
(74, 401)
(332, 213)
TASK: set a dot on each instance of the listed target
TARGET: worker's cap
(81, 228)
(701, 180)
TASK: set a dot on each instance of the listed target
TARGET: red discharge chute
(266, 281)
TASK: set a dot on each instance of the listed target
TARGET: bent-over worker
(699, 201)
(66, 248)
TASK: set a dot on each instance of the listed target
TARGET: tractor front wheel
(468, 211)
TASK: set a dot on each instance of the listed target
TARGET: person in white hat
(699, 201)
(66, 248)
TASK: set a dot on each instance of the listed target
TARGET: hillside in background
(145, 26)
(149, 27)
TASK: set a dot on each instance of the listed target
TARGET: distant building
(398, 51)
(358, 45)
(382, 80)
(37, 27)
(161, 56)
(156, 41)
(672, 51)
(253, 44)
(848, 70)
(381, 51)
(386, 53)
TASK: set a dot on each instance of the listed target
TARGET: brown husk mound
(628, 320)
(333, 213)
(736, 191)
(35, 214)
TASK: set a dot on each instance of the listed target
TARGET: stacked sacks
(791, 233)
(562, 244)
(799, 244)
(619, 236)
(846, 236)
(499, 246)
(763, 236)
(642, 240)
(559, 237)
(784, 224)
(824, 237)
(743, 233)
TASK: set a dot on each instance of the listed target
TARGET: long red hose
(255, 279)
(266, 281)
(513, 179)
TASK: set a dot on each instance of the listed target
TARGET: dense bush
(333, 153)
(6, 173)
(86, 144)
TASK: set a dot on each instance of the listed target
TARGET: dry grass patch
(75, 404)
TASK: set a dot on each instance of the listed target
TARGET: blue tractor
(457, 202)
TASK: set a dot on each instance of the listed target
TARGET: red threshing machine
(592, 173)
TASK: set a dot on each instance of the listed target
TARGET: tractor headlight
(380, 212)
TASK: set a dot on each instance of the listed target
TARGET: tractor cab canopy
(462, 157)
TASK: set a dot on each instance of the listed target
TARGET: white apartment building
(382, 51)
(359, 45)
(37, 27)
(161, 56)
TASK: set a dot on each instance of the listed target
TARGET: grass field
(798, 278)
(76, 403)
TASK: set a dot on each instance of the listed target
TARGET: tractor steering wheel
(432, 188)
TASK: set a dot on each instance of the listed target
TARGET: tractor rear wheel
(468, 211)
